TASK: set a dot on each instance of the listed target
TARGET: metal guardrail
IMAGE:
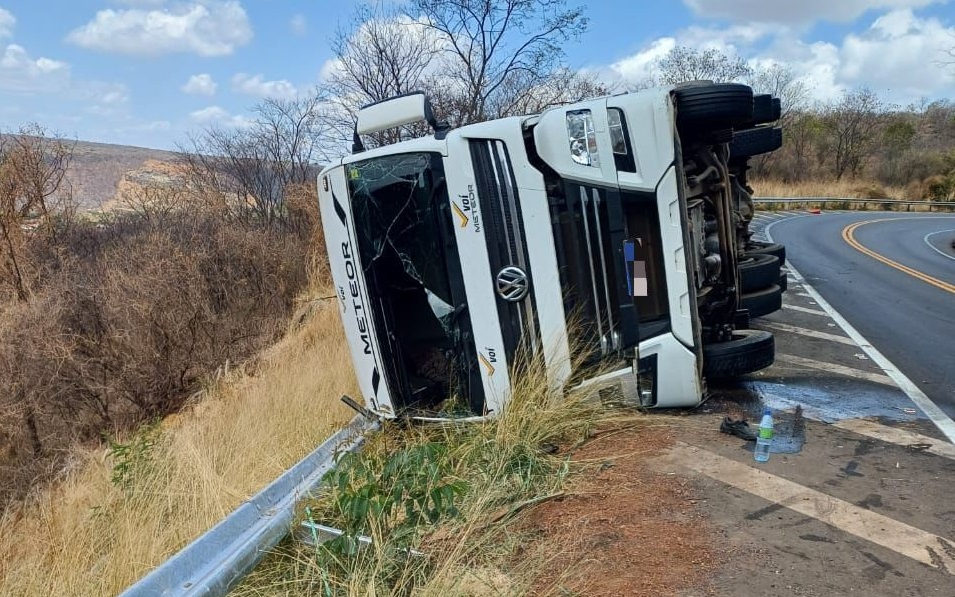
(215, 562)
(930, 204)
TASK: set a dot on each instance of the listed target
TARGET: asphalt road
(893, 278)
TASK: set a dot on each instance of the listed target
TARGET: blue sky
(146, 72)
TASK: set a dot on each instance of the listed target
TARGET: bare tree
(33, 169)
(562, 86)
(154, 203)
(853, 123)
(796, 161)
(782, 81)
(381, 54)
(682, 64)
(497, 51)
(246, 170)
(33, 189)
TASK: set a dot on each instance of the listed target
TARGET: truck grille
(506, 241)
(589, 232)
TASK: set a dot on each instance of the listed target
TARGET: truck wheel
(762, 302)
(757, 271)
(766, 108)
(712, 106)
(757, 141)
(748, 351)
(756, 247)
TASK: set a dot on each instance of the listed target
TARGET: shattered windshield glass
(393, 198)
(409, 258)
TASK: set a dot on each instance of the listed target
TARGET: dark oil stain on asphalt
(850, 469)
(794, 399)
(878, 571)
(873, 500)
(864, 447)
(817, 538)
(828, 400)
(789, 432)
(759, 514)
(789, 428)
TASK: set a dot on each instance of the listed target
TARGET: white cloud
(7, 23)
(116, 96)
(729, 39)
(641, 66)
(206, 28)
(796, 11)
(216, 115)
(897, 56)
(412, 32)
(200, 85)
(47, 80)
(150, 126)
(257, 86)
(330, 68)
(299, 24)
(210, 114)
(899, 53)
(817, 64)
(20, 73)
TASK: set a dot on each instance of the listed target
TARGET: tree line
(479, 60)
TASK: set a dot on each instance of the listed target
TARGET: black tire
(783, 282)
(754, 247)
(707, 107)
(757, 141)
(762, 302)
(766, 109)
(748, 351)
(757, 271)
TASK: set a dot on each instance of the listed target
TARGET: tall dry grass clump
(450, 492)
(769, 187)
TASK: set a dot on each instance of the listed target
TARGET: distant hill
(98, 169)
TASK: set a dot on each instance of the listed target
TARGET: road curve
(893, 279)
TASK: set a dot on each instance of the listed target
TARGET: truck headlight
(583, 138)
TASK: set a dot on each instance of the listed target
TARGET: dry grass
(507, 465)
(86, 536)
(853, 189)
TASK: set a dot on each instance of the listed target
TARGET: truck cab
(601, 235)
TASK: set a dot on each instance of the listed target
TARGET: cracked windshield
(403, 258)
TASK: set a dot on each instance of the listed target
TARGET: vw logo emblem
(512, 284)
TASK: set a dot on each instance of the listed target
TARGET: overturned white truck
(617, 226)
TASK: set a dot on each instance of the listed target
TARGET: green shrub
(134, 460)
(395, 496)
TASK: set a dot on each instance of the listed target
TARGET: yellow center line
(848, 234)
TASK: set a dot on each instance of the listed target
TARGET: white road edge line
(895, 435)
(805, 310)
(792, 329)
(944, 423)
(837, 369)
(933, 247)
(901, 538)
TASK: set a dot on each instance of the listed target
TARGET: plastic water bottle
(765, 438)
